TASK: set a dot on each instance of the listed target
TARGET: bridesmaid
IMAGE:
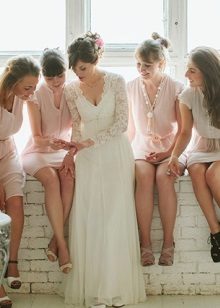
(17, 83)
(154, 125)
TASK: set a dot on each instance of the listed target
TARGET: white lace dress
(103, 235)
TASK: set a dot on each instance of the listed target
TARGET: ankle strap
(13, 261)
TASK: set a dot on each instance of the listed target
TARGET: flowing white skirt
(103, 236)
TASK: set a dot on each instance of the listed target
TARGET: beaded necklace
(150, 111)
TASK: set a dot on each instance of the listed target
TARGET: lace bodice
(102, 122)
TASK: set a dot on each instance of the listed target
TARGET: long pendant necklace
(150, 111)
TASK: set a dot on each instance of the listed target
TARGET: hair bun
(163, 41)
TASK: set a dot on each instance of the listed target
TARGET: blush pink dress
(153, 131)
(55, 123)
(11, 173)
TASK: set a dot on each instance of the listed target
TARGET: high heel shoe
(51, 256)
(167, 256)
(66, 268)
(13, 282)
(147, 257)
(5, 302)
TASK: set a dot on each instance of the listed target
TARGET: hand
(57, 144)
(2, 198)
(154, 157)
(68, 165)
(173, 166)
(84, 144)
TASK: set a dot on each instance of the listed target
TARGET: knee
(197, 172)
(211, 176)
(49, 178)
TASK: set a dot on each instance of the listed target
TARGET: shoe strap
(13, 261)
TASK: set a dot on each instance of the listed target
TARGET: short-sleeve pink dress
(153, 130)
(11, 172)
(55, 123)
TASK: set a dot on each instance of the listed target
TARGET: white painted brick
(32, 232)
(153, 289)
(45, 288)
(193, 271)
(55, 276)
(204, 289)
(186, 221)
(213, 268)
(195, 256)
(199, 278)
(180, 268)
(181, 289)
(35, 197)
(186, 187)
(33, 210)
(39, 242)
(166, 279)
(44, 266)
(31, 254)
(190, 210)
(186, 198)
(185, 244)
(195, 233)
(34, 277)
(39, 221)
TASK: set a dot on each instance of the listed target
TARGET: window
(126, 22)
(35, 25)
(203, 23)
(31, 26)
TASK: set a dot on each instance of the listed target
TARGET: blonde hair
(16, 69)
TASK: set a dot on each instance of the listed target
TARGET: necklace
(150, 110)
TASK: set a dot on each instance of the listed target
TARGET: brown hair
(207, 60)
(153, 49)
(85, 48)
(16, 69)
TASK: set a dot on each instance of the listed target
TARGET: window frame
(175, 27)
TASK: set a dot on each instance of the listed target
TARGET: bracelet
(69, 154)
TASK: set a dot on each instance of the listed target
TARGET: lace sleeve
(71, 96)
(120, 123)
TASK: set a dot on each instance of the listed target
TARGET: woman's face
(25, 87)
(84, 71)
(56, 83)
(148, 70)
(194, 75)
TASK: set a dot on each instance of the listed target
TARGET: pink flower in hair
(99, 42)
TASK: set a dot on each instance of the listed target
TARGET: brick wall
(192, 273)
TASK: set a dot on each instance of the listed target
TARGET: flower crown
(99, 43)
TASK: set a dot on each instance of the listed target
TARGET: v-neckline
(101, 96)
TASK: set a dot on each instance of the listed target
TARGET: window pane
(126, 21)
(30, 25)
(203, 22)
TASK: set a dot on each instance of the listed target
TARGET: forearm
(181, 143)
(42, 141)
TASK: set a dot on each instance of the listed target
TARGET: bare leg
(144, 194)
(167, 203)
(14, 208)
(50, 180)
(213, 180)
(203, 193)
(3, 294)
(67, 189)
